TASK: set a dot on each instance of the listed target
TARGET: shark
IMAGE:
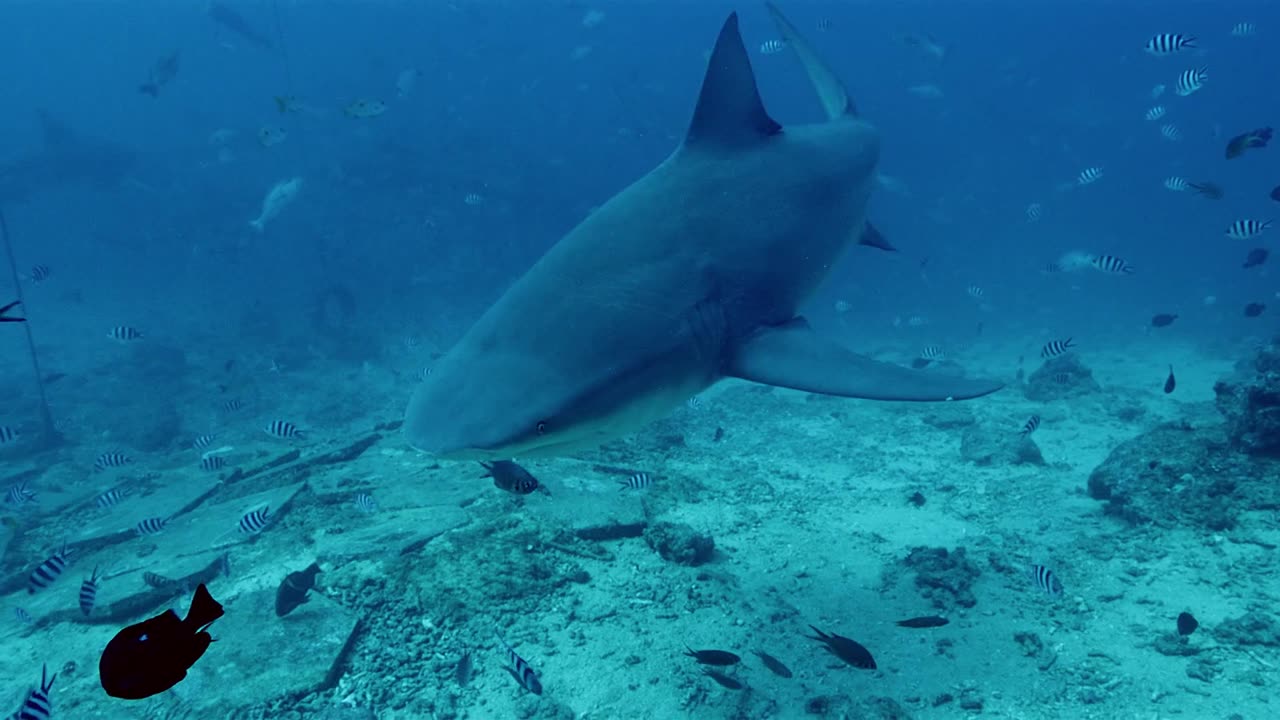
(692, 274)
(65, 158)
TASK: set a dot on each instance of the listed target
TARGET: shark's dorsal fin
(831, 92)
(729, 110)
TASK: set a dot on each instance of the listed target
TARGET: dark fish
(462, 671)
(1163, 320)
(37, 705)
(1256, 256)
(293, 589)
(1275, 195)
(233, 21)
(928, 621)
(847, 650)
(1170, 383)
(165, 69)
(1187, 623)
(1254, 309)
(1246, 141)
(520, 670)
(723, 680)
(154, 655)
(1062, 378)
(713, 657)
(1211, 190)
(8, 318)
(509, 476)
(773, 663)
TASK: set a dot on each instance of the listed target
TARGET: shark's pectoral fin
(793, 356)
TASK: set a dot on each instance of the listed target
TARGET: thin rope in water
(288, 71)
(50, 429)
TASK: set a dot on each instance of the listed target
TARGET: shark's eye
(541, 427)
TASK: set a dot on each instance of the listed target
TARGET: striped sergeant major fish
(1045, 580)
(158, 582)
(20, 494)
(39, 273)
(8, 435)
(124, 333)
(111, 459)
(1176, 184)
(520, 669)
(365, 503)
(1111, 264)
(1169, 131)
(1054, 348)
(283, 429)
(1191, 81)
(1155, 113)
(150, 526)
(37, 705)
(210, 463)
(1244, 29)
(254, 521)
(89, 593)
(203, 441)
(47, 572)
(1030, 426)
(1170, 43)
(1089, 175)
(638, 481)
(1245, 229)
(111, 497)
(928, 354)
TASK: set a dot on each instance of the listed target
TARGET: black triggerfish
(154, 655)
(293, 590)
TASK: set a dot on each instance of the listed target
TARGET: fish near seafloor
(692, 274)
(154, 655)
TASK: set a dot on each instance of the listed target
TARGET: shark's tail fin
(831, 92)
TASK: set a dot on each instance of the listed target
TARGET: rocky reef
(1177, 474)
(1062, 377)
(1250, 402)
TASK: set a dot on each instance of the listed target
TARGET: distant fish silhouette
(233, 21)
(1170, 383)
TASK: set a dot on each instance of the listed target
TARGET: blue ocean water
(505, 124)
